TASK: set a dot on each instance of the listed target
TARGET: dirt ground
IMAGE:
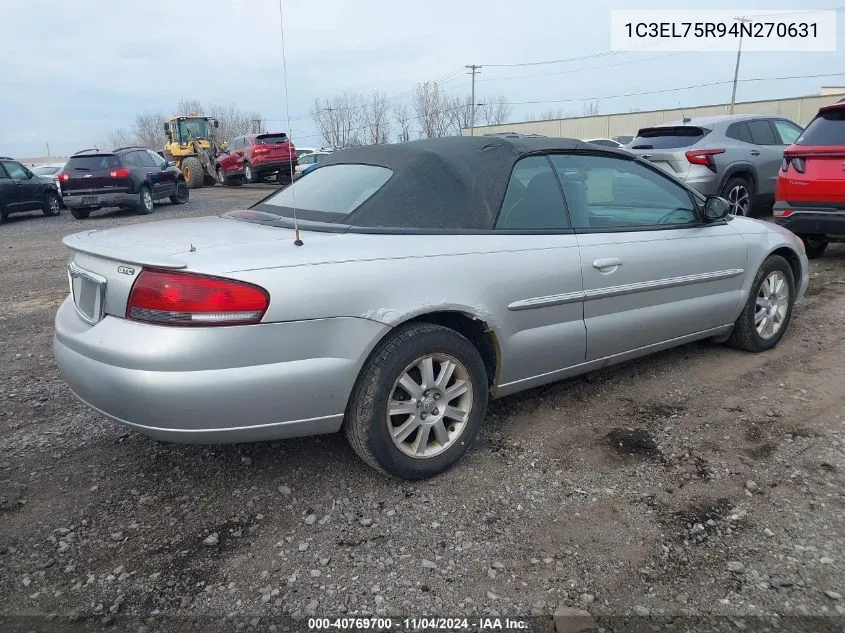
(702, 485)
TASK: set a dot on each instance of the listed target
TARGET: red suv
(810, 195)
(254, 157)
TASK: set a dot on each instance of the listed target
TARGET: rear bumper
(215, 385)
(805, 220)
(75, 201)
(271, 166)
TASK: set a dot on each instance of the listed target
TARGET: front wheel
(766, 314)
(249, 174)
(52, 204)
(182, 193)
(80, 214)
(419, 402)
(814, 246)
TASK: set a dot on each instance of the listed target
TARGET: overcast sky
(76, 71)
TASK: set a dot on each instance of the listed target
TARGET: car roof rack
(85, 151)
(6, 158)
(120, 149)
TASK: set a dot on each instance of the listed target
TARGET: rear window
(271, 139)
(93, 162)
(827, 129)
(668, 137)
(330, 194)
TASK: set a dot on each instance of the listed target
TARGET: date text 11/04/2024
(417, 624)
(721, 29)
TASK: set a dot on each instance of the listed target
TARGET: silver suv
(733, 156)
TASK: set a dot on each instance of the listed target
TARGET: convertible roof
(452, 183)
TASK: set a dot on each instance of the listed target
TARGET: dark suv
(21, 190)
(128, 177)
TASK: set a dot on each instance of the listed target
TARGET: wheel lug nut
(436, 412)
(422, 416)
(437, 396)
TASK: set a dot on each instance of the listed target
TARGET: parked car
(606, 142)
(128, 177)
(22, 190)
(254, 157)
(362, 297)
(308, 169)
(736, 156)
(309, 159)
(302, 151)
(623, 139)
(810, 199)
(51, 171)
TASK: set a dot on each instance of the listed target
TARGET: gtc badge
(125, 270)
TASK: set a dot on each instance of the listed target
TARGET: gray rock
(751, 485)
(833, 595)
(315, 573)
(284, 490)
(366, 522)
(642, 611)
(735, 566)
(211, 540)
(427, 564)
(303, 546)
(569, 620)
(587, 598)
(311, 519)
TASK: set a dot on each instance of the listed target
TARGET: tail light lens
(798, 164)
(261, 150)
(64, 176)
(703, 157)
(119, 173)
(176, 298)
(783, 213)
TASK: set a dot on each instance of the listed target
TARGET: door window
(739, 131)
(603, 192)
(158, 161)
(3, 175)
(16, 170)
(144, 160)
(788, 131)
(762, 133)
(533, 199)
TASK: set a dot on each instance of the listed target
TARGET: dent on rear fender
(393, 317)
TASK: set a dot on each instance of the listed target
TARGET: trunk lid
(815, 164)
(273, 147)
(666, 146)
(94, 174)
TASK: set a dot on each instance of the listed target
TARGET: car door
(766, 155)
(9, 192)
(229, 160)
(538, 280)
(653, 271)
(164, 177)
(28, 190)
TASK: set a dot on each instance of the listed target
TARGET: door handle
(754, 152)
(607, 263)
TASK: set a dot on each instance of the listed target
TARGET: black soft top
(451, 183)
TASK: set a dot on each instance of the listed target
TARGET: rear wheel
(52, 204)
(814, 246)
(738, 192)
(249, 174)
(193, 172)
(145, 200)
(80, 214)
(182, 193)
(766, 315)
(419, 402)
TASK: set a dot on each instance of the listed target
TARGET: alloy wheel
(429, 405)
(55, 206)
(772, 305)
(147, 198)
(740, 200)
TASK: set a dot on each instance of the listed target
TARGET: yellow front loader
(192, 147)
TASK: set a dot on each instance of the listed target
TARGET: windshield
(330, 194)
(192, 129)
(45, 171)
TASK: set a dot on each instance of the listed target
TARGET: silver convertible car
(394, 291)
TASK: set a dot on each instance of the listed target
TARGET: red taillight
(176, 298)
(64, 176)
(798, 163)
(261, 150)
(703, 157)
(119, 173)
(783, 213)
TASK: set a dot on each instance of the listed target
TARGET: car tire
(401, 356)
(52, 204)
(740, 193)
(182, 193)
(283, 177)
(80, 214)
(814, 246)
(249, 174)
(193, 172)
(769, 303)
(145, 200)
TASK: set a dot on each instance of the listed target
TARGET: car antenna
(297, 241)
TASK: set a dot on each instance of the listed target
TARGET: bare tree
(459, 111)
(551, 115)
(495, 110)
(433, 110)
(149, 130)
(119, 138)
(403, 119)
(591, 108)
(190, 106)
(339, 119)
(375, 118)
(233, 121)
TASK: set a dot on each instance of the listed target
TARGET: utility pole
(48, 151)
(736, 69)
(474, 69)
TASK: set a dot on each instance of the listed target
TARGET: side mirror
(216, 123)
(166, 127)
(169, 163)
(716, 208)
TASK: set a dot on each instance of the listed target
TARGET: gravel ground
(701, 482)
